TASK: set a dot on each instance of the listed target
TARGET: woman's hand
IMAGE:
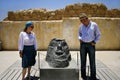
(81, 41)
(20, 54)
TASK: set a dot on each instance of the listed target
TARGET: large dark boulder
(58, 53)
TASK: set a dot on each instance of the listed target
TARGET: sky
(14, 5)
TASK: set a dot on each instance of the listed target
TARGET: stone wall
(93, 10)
(67, 29)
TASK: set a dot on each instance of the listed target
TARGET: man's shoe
(97, 79)
(86, 78)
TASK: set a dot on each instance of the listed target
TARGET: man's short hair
(83, 15)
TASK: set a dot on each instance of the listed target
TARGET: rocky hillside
(92, 10)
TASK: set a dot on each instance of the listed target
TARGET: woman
(27, 48)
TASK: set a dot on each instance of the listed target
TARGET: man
(89, 35)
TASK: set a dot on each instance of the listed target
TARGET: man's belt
(88, 42)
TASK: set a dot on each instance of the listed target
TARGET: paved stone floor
(105, 71)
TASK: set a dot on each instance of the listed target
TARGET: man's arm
(97, 34)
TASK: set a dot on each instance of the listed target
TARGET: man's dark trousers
(87, 48)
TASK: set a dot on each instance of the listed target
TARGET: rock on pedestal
(58, 55)
(58, 64)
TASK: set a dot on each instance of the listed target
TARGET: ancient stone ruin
(73, 10)
(58, 55)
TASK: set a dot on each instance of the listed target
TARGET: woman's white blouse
(27, 39)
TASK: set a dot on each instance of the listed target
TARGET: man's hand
(93, 43)
(35, 53)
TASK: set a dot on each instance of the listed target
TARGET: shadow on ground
(32, 78)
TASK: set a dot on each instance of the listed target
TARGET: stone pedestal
(68, 73)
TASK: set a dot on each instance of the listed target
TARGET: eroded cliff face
(92, 10)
